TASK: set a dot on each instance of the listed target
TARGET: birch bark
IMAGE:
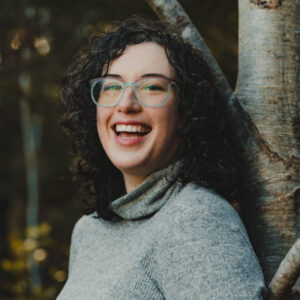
(268, 88)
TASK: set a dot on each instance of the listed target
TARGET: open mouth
(131, 131)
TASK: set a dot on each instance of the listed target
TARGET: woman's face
(134, 155)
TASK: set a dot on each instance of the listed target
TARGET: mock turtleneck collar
(150, 195)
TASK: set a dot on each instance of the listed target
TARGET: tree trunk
(268, 89)
(31, 140)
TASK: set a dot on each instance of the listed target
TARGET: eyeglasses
(150, 91)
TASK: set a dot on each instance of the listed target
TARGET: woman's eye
(152, 87)
(112, 88)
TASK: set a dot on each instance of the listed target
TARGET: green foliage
(38, 248)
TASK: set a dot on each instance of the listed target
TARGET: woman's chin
(134, 167)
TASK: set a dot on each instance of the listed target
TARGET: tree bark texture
(268, 88)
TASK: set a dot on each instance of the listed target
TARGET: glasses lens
(152, 91)
(107, 92)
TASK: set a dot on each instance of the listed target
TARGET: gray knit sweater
(169, 242)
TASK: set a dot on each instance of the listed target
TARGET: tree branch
(286, 275)
(174, 16)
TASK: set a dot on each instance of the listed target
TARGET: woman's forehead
(144, 58)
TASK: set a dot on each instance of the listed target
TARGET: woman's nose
(128, 102)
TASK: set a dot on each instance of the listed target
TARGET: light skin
(137, 157)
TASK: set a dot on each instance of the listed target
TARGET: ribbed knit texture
(169, 242)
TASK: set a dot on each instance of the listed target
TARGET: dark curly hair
(210, 158)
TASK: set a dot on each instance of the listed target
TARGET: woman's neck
(131, 181)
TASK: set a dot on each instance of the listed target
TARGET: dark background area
(38, 41)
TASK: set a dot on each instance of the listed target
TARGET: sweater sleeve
(205, 255)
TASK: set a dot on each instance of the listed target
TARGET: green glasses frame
(124, 85)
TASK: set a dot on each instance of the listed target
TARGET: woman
(145, 118)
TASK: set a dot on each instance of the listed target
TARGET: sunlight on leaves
(30, 244)
(40, 255)
(42, 45)
(15, 41)
(60, 276)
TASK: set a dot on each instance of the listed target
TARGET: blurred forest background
(38, 207)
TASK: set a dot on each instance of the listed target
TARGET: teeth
(131, 128)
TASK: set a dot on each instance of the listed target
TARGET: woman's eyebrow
(156, 75)
(143, 76)
(112, 75)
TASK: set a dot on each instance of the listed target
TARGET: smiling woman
(156, 159)
(135, 155)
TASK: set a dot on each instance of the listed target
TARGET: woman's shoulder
(196, 195)
(197, 207)
(84, 224)
(194, 200)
